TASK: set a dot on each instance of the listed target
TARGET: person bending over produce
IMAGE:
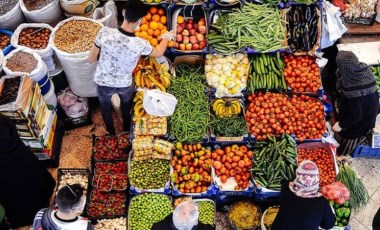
(118, 51)
(70, 200)
(358, 104)
(301, 205)
(184, 217)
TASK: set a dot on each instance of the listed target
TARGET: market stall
(225, 126)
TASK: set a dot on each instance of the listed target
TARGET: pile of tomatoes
(233, 161)
(274, 113)
(302, 73)
(324, 161)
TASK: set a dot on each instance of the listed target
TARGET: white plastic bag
(159, 103)
(37, 74)
(12, 19)
(46, 54)
(107, 14)
(79, 72)
(1, 61)
(73, 106)
(332, 26)
(50, 14)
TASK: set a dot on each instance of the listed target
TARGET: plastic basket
(262, 217)
(121, 155)
(366, 152)
(207, 200)
(73, 171)
(9, 47)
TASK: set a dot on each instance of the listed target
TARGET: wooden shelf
(357, 29)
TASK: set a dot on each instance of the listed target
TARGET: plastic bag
(107, 14)
(73, 105)
(159, 103)
(12, 18)
(332, 26)
(336, 191)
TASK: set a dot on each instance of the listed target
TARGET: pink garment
(306, 184)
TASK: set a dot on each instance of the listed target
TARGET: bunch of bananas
(138, 109)
(150, 74)
(224, 108)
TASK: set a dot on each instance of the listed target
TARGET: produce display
(192, 168)
(190, 120)
(244, 215)
(226, 108)
(206, 212)
(259, 27)
(10, 90)
(267, 72)
(228, 126)
(67, 39)
(359, 196)
(376, 73)
(269, 216)
(274, 161)
(273, 113)
(149, 174)
(123, 141)
(22, 62)
(148, 209)
(73, 178)
(142, 148)
(150, 74)
(337, 192)
(32, 5)
(153, 25)
(162, 149)
(7, 5)
(302, 73)
(303, 28)
(35, 38)
(107, 148)
(150, 125)
(108, 204)
(138, 109)
(97, 196)
(233, 163)
(110, 168)
(360, 9)
(111, 224)
(227, 74)
(4, 39)
(342, 212)
(324, 161)
(190, 34)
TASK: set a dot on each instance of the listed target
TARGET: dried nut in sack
(36, 4)
(6, 6)
(4, 41)
(22, 62)
(29, 37)
(69, 178)
(76, 36)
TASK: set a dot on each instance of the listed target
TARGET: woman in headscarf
(301, 205)
(358, 104)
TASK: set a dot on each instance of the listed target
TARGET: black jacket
(297, 213)
(167, 224)
(357, 115)
(26, 186)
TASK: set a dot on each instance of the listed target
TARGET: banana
(156, 83)
(154, 63)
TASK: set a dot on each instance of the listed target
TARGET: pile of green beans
(260, 27)
(229, 127)
(192, 114)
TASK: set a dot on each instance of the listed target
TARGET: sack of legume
(24, 61)
(42, 11)
(10, 14)
(72, 51)
(35, 36)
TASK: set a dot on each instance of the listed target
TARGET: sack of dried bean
(24, 61)
(10, 14)
(42, 11)
(79, 7)
(15, 92)
(35, 36)
(72, 40)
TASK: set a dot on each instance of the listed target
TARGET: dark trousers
(125, 94)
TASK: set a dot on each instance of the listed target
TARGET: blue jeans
(105, 94)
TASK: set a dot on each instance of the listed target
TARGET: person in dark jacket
(358, 104)
(376, 221)
(70, 200)
(184, 217)
(301, 205)
(26, 186)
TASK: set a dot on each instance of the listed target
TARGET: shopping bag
(159, 103)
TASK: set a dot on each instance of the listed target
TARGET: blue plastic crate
(209, 193)
(135, 191)
(366, 151)
(9, 48)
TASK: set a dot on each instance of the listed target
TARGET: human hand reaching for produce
(336, 127)
(170, 35)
